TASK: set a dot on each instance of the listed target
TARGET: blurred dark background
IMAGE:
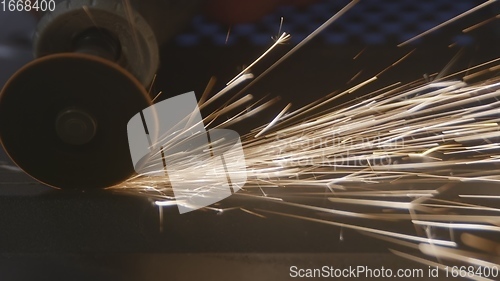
(100, 235)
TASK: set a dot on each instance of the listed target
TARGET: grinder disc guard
(63, 120)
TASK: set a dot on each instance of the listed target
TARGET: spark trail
(418, 153)
(426, 153)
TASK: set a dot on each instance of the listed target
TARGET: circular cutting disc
(55, 100)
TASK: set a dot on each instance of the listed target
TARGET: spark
(208, 89)
(480, 196)
(251, 112)
(89, 14)
(228, 33)
(487, 3)
(470, 69)
(303, 42)
(387, 204)
(359, 54)
(8, 167)
(160, 217)
(481, 73)
(281, 25)
(274, 121)
(469, 226)
(276, 38)
(129, 11)
(152, 83)
(357, 87)
(371, 230)
(284, 37)
(215, 114)
(407, 153)
(165, 203)
(395, 63)
(477, 25)
(157, 96)
(341, 149)
(355, 76)
(253, 213)
(450, 64)
(241, 78)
